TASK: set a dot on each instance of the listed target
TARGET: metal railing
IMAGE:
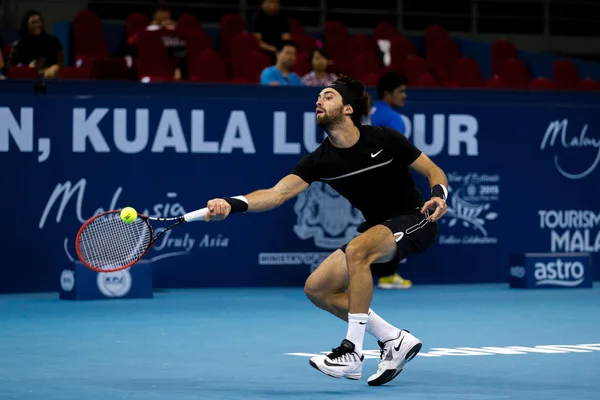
(538, 17)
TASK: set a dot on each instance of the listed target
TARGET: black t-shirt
(271, 28)
(373, 174)
(46, 49)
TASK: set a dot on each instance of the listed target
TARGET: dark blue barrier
(78, 282)
(522, 169)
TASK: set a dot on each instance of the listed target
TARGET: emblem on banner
(326, 216)
(114, 284)
(67, 280)
(470, 208)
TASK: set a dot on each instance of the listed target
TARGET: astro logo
(559, 273)
(518, 272)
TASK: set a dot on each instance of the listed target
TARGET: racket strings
(108, 243)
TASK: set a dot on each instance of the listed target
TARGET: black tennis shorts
(413, 234)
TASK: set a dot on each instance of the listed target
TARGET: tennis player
(369, 166)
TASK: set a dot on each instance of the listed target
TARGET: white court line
(485, 351)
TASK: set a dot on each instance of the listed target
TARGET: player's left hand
(439, 205)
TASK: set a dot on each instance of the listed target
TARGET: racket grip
(196, 215)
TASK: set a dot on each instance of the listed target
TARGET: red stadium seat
(91, 50)
(187, 20)
(564, 75)
(73, 73)
(304, 42)
(415, 66)
(588, 84)
(467, 73)
(231, 26)
(364, 64)
(371, 79)
(302, 65)
(256, 62)
(23, 73)
(197, 40)
(88, 36)
(426, 80)
(334, 30)
(242, 45)
(208, 67)
(296, 28)
(400, 49)
(433, 35)
(362, 44)
(385, 31)
(443, 59)
(541, 83)
(500, 52)
(337, 45)
(515, 73)
(134, 24)
(496, 82)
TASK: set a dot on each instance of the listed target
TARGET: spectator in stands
(175, 45)
(270, 26)
(280, 74)
(161, 19)
(318, 75)
(36, 48)
(391, 92)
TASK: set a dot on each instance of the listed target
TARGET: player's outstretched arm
(257, 201)
(267, 199)
(438, 182)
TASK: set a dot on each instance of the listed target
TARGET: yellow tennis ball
(128, 215)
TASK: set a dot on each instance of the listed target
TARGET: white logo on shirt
(399, 236)
(375, 155)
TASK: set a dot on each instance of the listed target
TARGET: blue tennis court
(479, 342)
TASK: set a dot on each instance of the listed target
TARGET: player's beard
(328, 120)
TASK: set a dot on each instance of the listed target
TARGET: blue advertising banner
(523, 178)
(551, 270)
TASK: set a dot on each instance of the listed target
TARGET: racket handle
(196, 215)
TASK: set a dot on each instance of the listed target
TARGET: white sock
(356, 330)
(382, 330)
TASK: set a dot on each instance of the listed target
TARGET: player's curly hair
(362, 107)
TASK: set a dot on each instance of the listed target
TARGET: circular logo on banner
(114, 284)
(67, 280)
(326, 217)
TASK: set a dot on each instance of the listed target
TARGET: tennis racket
(105, 243)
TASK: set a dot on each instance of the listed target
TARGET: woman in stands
(36, 48)
(318, 75)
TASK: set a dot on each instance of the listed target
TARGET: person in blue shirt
(281, 73)
(391, 93)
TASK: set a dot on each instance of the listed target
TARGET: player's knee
(313, 291)
(356, 256)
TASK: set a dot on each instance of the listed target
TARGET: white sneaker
(395, 354)
(342, 362)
